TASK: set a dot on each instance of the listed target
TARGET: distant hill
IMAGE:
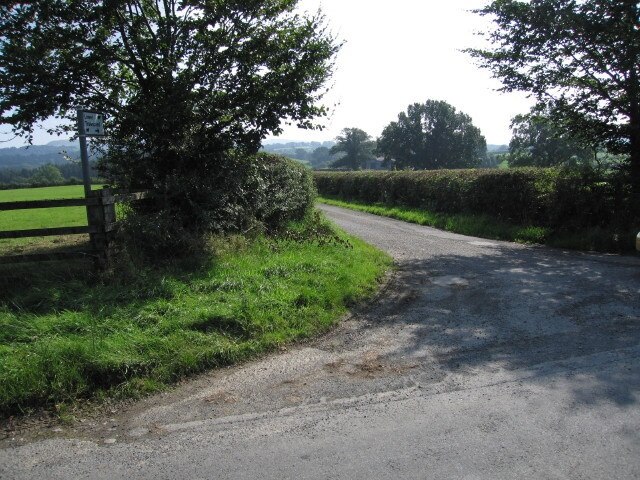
(305, 152)
(63, 143)
(34, 156)
(497, 148)
(273, 146)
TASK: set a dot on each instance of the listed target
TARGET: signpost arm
(84, 155)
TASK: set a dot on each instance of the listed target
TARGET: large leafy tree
(430, 136)
(320, 157)
(356, 147)
(47, 175)
(578, 58)
(182, 81)
(537, 141)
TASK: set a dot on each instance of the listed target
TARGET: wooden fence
(101, 216)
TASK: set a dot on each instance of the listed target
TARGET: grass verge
(475, 225)
(594, 239)
(66, 334)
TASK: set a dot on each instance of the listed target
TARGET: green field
(42, 193)
(41, 217)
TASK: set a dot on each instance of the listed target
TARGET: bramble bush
(562, 199)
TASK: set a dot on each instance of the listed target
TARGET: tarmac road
(480, 359)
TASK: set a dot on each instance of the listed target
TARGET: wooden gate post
(101, 214)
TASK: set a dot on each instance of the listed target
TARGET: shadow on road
(518, 309)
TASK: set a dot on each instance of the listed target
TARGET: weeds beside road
(483, 226)
(578, 208)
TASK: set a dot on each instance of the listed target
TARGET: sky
(406, 51)
(397, 53)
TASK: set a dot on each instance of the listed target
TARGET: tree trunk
(633, 91)
(635, 177)
(634, 159)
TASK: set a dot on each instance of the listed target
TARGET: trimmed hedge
(262, 192)
(281, 190)
(565, 200)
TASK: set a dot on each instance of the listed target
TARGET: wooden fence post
(101, 215)
(101, 218)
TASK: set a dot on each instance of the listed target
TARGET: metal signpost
(90, 124)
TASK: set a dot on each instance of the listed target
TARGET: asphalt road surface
(479, 360)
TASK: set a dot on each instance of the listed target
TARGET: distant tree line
(53, 164)
(428, 136)
(317, 155)
(48, 174)
(435, 135)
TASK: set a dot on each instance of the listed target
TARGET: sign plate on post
(93, 124)
(90, 124)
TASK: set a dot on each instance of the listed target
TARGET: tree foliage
(47, 175)
(537, 141)
(320, 157)
(578, 58)
(430, 136)
(356, 146)
(181, 80)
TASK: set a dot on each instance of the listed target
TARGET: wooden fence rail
(101, 218)
(46, 232)
(29, 204)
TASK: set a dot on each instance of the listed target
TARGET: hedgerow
(259, 193)
(564, 200)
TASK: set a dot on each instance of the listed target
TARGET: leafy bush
(562, 199)
(257, 193)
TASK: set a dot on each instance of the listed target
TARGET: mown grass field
(68, 334)
(42, 193)
(41, 218)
